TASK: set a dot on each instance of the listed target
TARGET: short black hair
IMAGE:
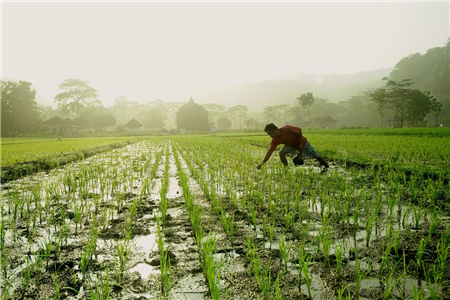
(270, 127)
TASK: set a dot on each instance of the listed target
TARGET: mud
(57, 272)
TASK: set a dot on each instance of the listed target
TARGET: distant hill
(286, 88)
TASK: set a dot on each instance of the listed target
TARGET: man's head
(272, 130)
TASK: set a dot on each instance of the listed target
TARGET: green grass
(414, 150)
(15, 151)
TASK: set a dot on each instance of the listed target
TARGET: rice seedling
(325, 239)
(418, 212)
(38, 266)
(164, 260)
(6, 288)
(384, 259)
(271, 232)
(289, 221)
(86, 256)
(47, 247)
(390, 283)
(264, 225)
(284, 248)
(26, 277)
(423, 244)
(442, 255)
(339, 257)
(252, 211)
(433, 278)
(277, 295)
(304, 265)
(166, 284)
(123, 250)
(369, 227)
(104, 290)
(396, 242)
(228, 224)
(262, 276)
(56, 286)
(435, 222)
(207, 249)
(359, 275)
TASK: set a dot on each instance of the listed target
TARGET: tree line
(416, 94)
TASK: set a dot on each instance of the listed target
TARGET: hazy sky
(157, 50)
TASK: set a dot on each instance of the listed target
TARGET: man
(294, 142)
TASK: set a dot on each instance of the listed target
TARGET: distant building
(133, 126)
(61, 126)
(192, 117)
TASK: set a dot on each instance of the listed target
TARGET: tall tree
(284, 110)
(76, 95)
(121, 108)
(154, 114)
(240, 111)
(224, 123)
(272, 113)
(215, 111)
(306, 100)
(252, 124)
(419, 105)
(407, 104)
(172, 109)
(19, 110)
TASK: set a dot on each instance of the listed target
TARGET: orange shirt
(289, 136)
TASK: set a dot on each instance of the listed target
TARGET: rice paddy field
(190, 217)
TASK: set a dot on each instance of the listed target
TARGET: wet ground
(44, 246)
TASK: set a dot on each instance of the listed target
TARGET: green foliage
(19, 110)
(239, 111)
(224, 123)
(103, 121)
(407, 104)
(76, 95)
(306, 100)
(430, 72)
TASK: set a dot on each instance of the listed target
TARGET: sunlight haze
(168, 51)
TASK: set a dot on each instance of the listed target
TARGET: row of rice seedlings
(284, 246)
(211, 194)
(102, 290)
(206, 243)
(227, 219)
(164, 259)
(47, 198)
(262, 274)
(369, 219)
(165, 266)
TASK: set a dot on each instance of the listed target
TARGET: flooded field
(185, 218)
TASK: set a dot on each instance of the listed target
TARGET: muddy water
(368, 257)
(141, 277)
(61, 266)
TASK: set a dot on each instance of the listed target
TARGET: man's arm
(266, 158)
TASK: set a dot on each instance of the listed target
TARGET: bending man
(294, 143)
